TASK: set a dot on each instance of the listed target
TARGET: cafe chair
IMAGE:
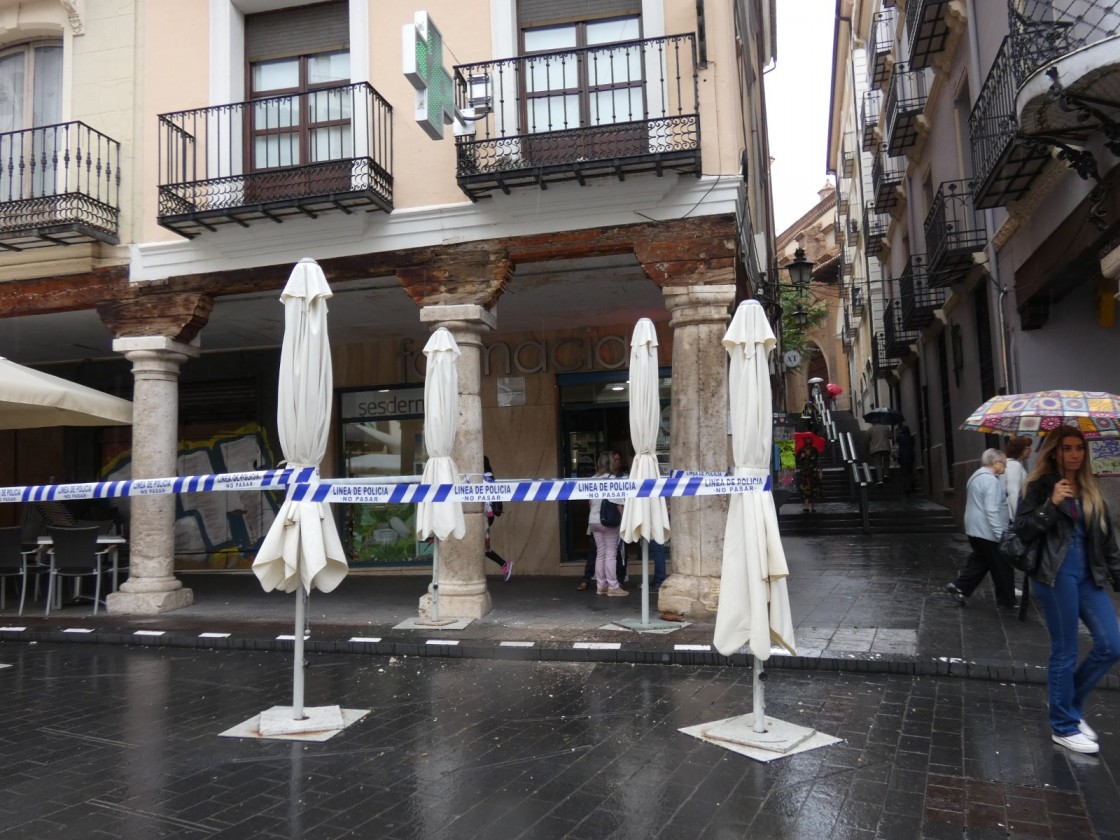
(74, 554)
(14, 562)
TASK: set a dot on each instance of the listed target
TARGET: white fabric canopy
(31, 399)
(302, 547)
(753, 599)
(441, 420)
(644, 517)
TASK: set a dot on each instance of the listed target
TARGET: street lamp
(800, 270)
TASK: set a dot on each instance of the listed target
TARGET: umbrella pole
(297, 668)
(645, 582)
(759, 698)
(435, 579)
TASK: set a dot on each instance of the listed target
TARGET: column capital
(461, 316)
(699, 304)
(177, 316)
(468, 274)
(154, 346)
(691, 254)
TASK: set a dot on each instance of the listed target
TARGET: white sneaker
(1077, 742)
(1088, 731)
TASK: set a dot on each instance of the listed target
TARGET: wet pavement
(108, 741)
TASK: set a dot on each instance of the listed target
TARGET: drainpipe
(989, 215)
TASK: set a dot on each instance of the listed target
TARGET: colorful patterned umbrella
(1096, 413)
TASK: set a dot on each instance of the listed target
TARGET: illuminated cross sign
(422, 50)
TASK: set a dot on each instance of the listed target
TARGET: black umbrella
(885, 416)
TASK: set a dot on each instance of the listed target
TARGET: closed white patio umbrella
(302, 550)
(441, 420)
(31, 399)
(645, 519)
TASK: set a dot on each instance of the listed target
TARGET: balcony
(927, 22)
(599, 112)
(875, 225)
(954, 232)
(59, 185)
(857, 300)
(906, 100)
(919, 301)
(882, 363)
(886, 176)
(879, 48)
(846, 339)
(328, 150)
(897, 338)
(848, 155)
(869, 119)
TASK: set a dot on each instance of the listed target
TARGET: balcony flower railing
(879, 47)
(606, 110)
(898, 338)
(906, 100)
(300, 154)
(59, 184)
(1041, 31)
(869, 119)
(875, 226)
(919, 301)
(954, 232)
(887, 173)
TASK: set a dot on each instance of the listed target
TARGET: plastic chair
(74, 554)
(13, 562)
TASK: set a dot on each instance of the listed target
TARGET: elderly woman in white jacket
(1018, 450)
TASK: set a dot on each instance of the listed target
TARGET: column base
(695, 596)
(457, 606)
(148, 603)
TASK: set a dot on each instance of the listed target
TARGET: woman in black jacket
(1063, 508)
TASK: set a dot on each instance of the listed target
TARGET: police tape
(302, 486)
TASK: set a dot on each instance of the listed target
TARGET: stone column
(462, 591)
(152, 586)
(699, 318)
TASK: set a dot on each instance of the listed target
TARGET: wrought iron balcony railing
(954, 232)
(879, 47)
(882, 363)
(857, 300)
(886, 176)
(875, 226)
(906, 100)
(302, 154)
(898, 338)
(846, 339)
(919, 301)
(927, 22)
(602, 111)
(869, 119)
(1041, 31)
(848, 155)
(59, 185)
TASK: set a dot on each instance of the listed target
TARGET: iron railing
(848, 155)
(846, 337)
(927, 22)
(598, 111)
(875, 226)
(879, 46)
(897, 338)
(869, 119)
(1003, 162)
(906, 100)
(954, 232)
(59, 184)
(857, 300)
(305, 153)
(882, 363)
(886, 175)
(919, 301)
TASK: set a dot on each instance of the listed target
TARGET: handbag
(1023, 556)
(609, 514)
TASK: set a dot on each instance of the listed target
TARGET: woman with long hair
(1063, 509)
(605, 536)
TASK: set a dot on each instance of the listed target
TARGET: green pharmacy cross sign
(422, 51)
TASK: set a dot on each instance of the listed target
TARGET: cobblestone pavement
(107, 741)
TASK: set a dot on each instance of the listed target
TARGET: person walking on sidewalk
(606, 536)
(494, 510)
(985, 520)
(807, 454)
(879, 438)
(1063, 509)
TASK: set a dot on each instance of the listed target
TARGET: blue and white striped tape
(302, 487)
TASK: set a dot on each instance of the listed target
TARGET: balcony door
(583, 91)
(30, 109)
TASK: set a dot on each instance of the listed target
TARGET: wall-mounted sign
(381, 404)
(422, 52)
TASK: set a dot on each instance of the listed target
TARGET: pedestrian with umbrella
(1064, 514)
(880, 438)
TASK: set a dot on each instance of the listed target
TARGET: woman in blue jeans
(1062, 507)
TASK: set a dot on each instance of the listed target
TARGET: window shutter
(542, 12)
(302, 30)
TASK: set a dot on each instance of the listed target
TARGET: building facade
(984, 214)
(534, 176)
